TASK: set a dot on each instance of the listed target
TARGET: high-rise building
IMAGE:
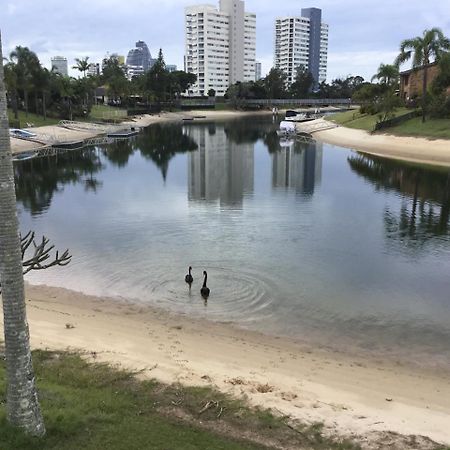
(139, 59)
(302, 41)
(59, 65)
(171, 67)
(220, 45)
(257, 71)
(94, 69)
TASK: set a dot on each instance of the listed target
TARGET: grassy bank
(98, 113)
(432, 128)
(94, 406)
(354, 119)
(30, 120)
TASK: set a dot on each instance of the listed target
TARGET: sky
(363, 33)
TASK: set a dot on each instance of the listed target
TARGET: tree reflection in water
(423, 216)
(160, 143)
(38, 179)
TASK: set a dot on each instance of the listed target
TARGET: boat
(22, 134)
(23, 156)
(297, 116)
(71, 145)
(123, 133)
(287, 128)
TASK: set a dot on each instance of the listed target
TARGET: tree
(158, 78)
(26, 62)
(303, 83)
(211, 93)
(82, 65)
(275, 84)
(387, 74)
(23, 407)
(430, 46)
(11, 86)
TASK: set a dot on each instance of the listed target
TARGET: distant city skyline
(362, 34)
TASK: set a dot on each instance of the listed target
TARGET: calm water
(301, 239)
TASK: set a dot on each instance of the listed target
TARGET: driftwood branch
(38, 256)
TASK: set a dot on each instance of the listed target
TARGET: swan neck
(204, 281)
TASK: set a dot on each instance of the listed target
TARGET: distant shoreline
(145, 120)
(412, 149)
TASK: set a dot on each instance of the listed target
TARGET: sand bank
(413, 149)
(349, 394)
(55, 132)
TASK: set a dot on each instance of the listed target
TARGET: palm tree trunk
(15, 105)
(22, 403)
(36, 103)
(424, 92)
(25, 94)
(44, 109)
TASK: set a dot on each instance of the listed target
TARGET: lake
(299, 238)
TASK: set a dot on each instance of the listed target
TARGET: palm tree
(386, 74)
(22, 403)
(82, 65)
(26, 62)
(426, 48)
(42, 79)
(11, 86)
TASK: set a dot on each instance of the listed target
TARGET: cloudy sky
(363, 33)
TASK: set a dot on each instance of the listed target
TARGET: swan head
(204, 272)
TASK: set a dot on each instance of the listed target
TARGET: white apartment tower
(302, 41)
(220, 46)
(59, 65)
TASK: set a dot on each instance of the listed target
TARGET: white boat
(19, 133)
(296, 116)
(287, 128)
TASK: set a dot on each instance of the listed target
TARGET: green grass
(36, 120)
(106, 112)
(432, 128)
(354, 119)
(93, 406)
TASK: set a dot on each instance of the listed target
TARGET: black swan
(204, 290)
(188, 278)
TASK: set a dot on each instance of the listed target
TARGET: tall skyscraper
(257, 71)
(220, 45)
(59, 65)
(302, 41)
(139, 59)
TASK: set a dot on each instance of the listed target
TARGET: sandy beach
(413, 149)
(351, 395)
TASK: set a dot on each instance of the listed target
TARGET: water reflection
(221, 169)
(37, 180)
(423, 215)
(297, 166)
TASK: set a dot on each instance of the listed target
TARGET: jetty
(314, 126)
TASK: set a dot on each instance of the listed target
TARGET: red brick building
(411, 81)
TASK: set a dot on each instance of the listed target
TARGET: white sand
(414, 149)
(347, 393)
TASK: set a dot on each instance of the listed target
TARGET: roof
(415, 69)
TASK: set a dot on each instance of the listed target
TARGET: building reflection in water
(297, 166)
(220, 170)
